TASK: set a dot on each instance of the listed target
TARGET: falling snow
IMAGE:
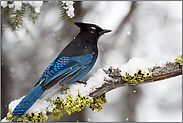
(12, 69)
(89, 119)
(134, 91)
(128, 32)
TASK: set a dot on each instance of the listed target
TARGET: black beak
(105, 31)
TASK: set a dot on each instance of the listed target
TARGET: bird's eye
(93, 28)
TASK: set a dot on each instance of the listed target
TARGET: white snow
(37, 5)
(128, 32)
(69, 8)
(4, 3)
(11, 5)
(96, 81)
(18, 5)
(4, 120)
(39, 106)
(162, 61)
(133, 65)
(14, 103)
(89, 119)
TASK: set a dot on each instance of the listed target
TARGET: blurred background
(149, 30)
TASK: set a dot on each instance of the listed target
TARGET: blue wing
(66, 70)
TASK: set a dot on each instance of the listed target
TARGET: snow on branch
(158, 73)
(77, 96)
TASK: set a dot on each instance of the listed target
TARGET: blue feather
(28, 101)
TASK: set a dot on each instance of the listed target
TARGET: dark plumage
(72, 64)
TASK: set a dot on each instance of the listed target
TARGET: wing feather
(64, 69)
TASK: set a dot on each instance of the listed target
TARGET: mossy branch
(61, 105)
(157, 73)
(96, 99)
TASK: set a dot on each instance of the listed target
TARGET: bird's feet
(82, 82)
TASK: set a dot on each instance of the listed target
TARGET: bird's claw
(82, 82)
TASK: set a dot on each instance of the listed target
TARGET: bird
(72, 64)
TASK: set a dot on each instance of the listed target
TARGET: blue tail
(28, 101)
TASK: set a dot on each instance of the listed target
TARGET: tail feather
(28, 101)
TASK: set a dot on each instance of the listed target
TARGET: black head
(86, 41)
(92, 29)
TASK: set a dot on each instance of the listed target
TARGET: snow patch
(69, 8)
(18, 5)
(39, 106)
(14, 103)
(4, 120)
(37, 5)
(4, 3)
(133, 65)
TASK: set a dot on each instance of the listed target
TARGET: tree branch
(158, 73)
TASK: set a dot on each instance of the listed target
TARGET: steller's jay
(72, 64)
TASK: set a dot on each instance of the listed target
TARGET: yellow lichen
(71, 106)
(137, 78)
(64, 90)
(33, 117)
(97, 102)
(179, 59)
